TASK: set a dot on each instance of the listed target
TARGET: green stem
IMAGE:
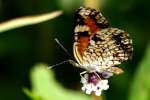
(27, 20)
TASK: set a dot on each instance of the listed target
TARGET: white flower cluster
(94, 86)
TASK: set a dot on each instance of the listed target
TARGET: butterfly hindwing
(108, 47)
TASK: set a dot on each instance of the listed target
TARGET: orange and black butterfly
(98, 47)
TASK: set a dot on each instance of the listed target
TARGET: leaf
(140, 89)
(44, 86)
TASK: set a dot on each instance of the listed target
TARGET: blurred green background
(21, 48)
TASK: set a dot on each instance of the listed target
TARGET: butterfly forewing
(87, 22)
(84, 15)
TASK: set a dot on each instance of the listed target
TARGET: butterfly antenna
(57, 41)
(58, 64)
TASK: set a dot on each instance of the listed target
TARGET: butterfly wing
(88, 16)
(96, 44)
(108, 47)
(87, 22)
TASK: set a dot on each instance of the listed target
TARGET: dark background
(21, 48)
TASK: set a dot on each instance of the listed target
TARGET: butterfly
(98, 47)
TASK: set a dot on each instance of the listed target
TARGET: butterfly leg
(97, 75)
(81, 75)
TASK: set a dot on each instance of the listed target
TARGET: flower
(94, 82)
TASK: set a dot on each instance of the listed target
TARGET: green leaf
(140, 89)
(44, 86)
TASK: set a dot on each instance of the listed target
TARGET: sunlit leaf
(45, 87)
